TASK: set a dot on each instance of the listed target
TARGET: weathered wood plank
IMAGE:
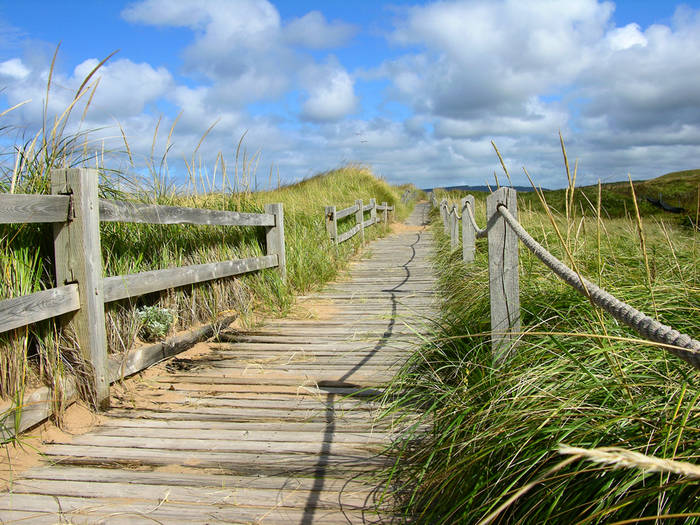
(40, 510)
(141, 358)
(341, 214)
(240, 462)
(124, 286)
(189, 479)
(274, 236)
(288, 497)
(22, 208)
(342, 237)
(331, 221)
(504, 287)
(27, 309)
(34, 407)
(78, 258)
(269, 435)
(135, 212)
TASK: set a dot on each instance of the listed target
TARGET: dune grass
(578, 378)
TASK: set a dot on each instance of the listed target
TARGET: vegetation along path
(276, 425)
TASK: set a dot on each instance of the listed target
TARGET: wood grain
(125, 286)
(123, 211)
(20, 208)
(21, 311)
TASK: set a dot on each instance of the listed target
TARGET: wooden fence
(357, 211)
(81, 293)
(504, 232)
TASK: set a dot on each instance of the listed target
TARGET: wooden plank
(50, 509)
(331, 221)
(289, 497)
(124, 286)
(468, 234)
(78, 258)
(504, 288)
(349, 234)
(34, 408)
(341, 214)
(27, 309)
(189, 479)
(22, 208)
(140, 358)
(269, 435)
(274, 236)
(359, 218)
(369, 222)
(240, 462)
(223, 446)
(135, 212)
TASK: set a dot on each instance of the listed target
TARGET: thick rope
(677, 343)
(478, 232)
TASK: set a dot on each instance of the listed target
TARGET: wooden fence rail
(504, 232)
(357, 210)
(81, 292)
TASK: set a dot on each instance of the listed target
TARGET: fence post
(504, 289)
(373, 210)
(386, 212)
(468, 233)
(78, 259)
(275, 237)
(332, 223)
(454, 228)
(443, 214)
(360, 218)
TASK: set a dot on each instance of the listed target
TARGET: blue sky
(416, 90)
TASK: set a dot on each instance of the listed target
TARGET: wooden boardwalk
(272, 426)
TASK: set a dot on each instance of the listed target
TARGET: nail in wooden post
(468, 233)
(360, 218)
(332, 223)
(504, 286)
(373, 210)
(386, 212)
(78, 259)
(275, 237)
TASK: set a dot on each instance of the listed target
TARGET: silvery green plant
(155, 322)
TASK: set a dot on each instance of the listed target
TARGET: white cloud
(625, 37)
(14, 69)
(314, 32)
(331, 94)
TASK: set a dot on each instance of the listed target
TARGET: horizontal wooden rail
(349, 234)
(132, 285)
(347, 211)
(21, 208)
(32, 308)
(332, 216)
(133, 212)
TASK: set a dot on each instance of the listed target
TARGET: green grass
(579, 378)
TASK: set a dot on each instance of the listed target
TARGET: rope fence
(503, 231)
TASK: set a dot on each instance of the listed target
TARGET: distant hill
(678, 189)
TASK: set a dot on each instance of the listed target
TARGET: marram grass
(578, 378)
